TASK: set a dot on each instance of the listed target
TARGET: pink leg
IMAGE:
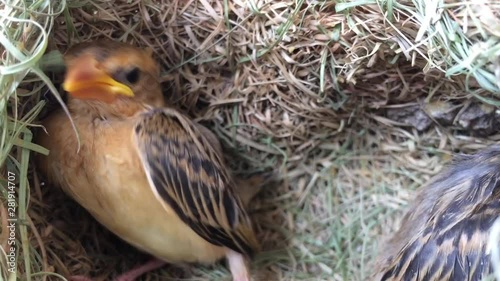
(129, 275)
(237, 266)
(140, 270)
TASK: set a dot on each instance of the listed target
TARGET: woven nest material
(356, 104)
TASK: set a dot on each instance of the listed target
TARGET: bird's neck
(119, 109)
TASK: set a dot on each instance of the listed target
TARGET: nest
(356, 103)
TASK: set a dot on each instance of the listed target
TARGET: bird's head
(107, 70)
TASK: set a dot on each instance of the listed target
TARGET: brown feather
(444, 234)
(188, 174)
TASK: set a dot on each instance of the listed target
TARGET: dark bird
(444, 235)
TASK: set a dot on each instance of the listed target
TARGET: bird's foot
(129, 275)
(138, 271)
(238, 266)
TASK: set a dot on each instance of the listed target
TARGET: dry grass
(325, 91)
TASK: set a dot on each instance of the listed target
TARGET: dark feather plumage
(187, 173)
(444, 235)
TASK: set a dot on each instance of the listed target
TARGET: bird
(444, 234)
(143, 169)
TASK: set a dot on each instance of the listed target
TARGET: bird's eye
(132, 75)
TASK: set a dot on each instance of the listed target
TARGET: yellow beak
(85, 80)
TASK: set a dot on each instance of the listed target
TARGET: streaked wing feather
(447, 234)
(187, 173)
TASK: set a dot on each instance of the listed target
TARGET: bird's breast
(107, 178)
